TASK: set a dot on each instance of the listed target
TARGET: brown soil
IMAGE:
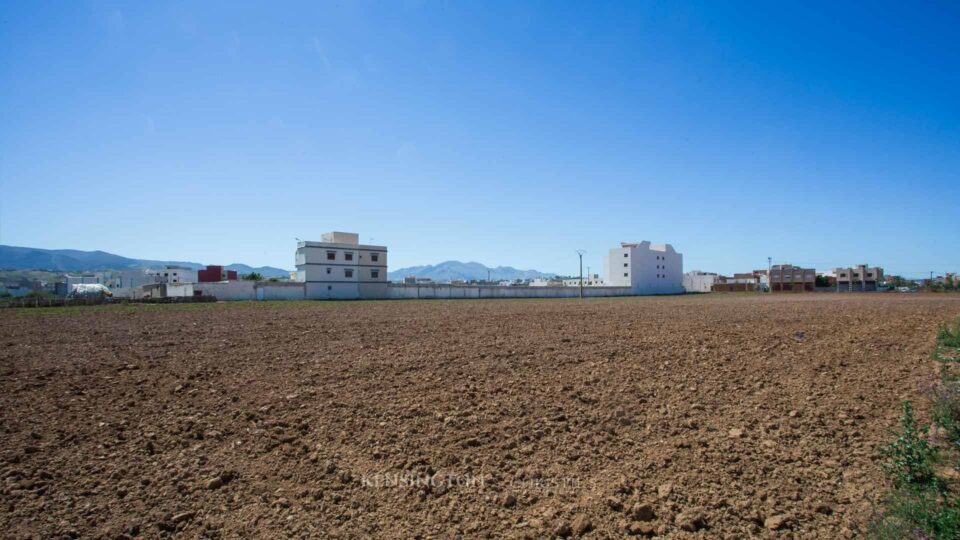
(704, 416)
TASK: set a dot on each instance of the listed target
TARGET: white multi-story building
(175, 274)
(340, 267)
(697, 281)
(644, 267)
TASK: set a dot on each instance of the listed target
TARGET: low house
(697, 281)
(742, 282)
(168, 290)
(589, 280)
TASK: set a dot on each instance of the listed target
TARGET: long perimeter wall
(250, 290)
(440, 291)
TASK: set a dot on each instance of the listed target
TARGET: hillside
(454, 270)
(72, 260)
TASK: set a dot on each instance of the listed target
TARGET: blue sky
(510, 133)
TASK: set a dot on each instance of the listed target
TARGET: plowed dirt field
(701, 416)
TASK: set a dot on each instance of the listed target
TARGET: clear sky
(509, 133)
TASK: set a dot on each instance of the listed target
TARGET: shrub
(913, 514)
(949, 337)
(910, 458)
(946, 410)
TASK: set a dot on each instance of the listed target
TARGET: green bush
(949, 337)
(913, 514)
(910, 458)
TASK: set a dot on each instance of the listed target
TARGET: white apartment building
(697, 281)
(644, 267)
(340, 267)
(175, 274)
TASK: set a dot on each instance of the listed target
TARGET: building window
(374, 274)
(624, 265)
(374, 257)
(624, 274)
(348, 256)
(331, 255)
(624, 254)
(329, 269)
(329, 287)
(348, 272)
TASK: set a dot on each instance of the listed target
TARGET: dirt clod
(776, 522)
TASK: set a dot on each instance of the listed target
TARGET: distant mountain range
(453, 270)
(72, 260)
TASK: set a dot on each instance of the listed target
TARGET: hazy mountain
(72, 260)
(451, 270)
(265, 271)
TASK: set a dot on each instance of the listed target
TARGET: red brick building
(214, 273)
(789, 278)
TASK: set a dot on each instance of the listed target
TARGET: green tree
(252, 276)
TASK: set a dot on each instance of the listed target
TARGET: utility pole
(580, 252)
(769, 276)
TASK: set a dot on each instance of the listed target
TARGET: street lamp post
(580, 253)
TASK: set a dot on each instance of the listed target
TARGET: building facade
(697, 281)
(589, 280)
(858, 278)
(545, 282)
(644, 267)
(755, 281)
(213, 273)
(176, 274)
(340, 267)
(789, 278)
